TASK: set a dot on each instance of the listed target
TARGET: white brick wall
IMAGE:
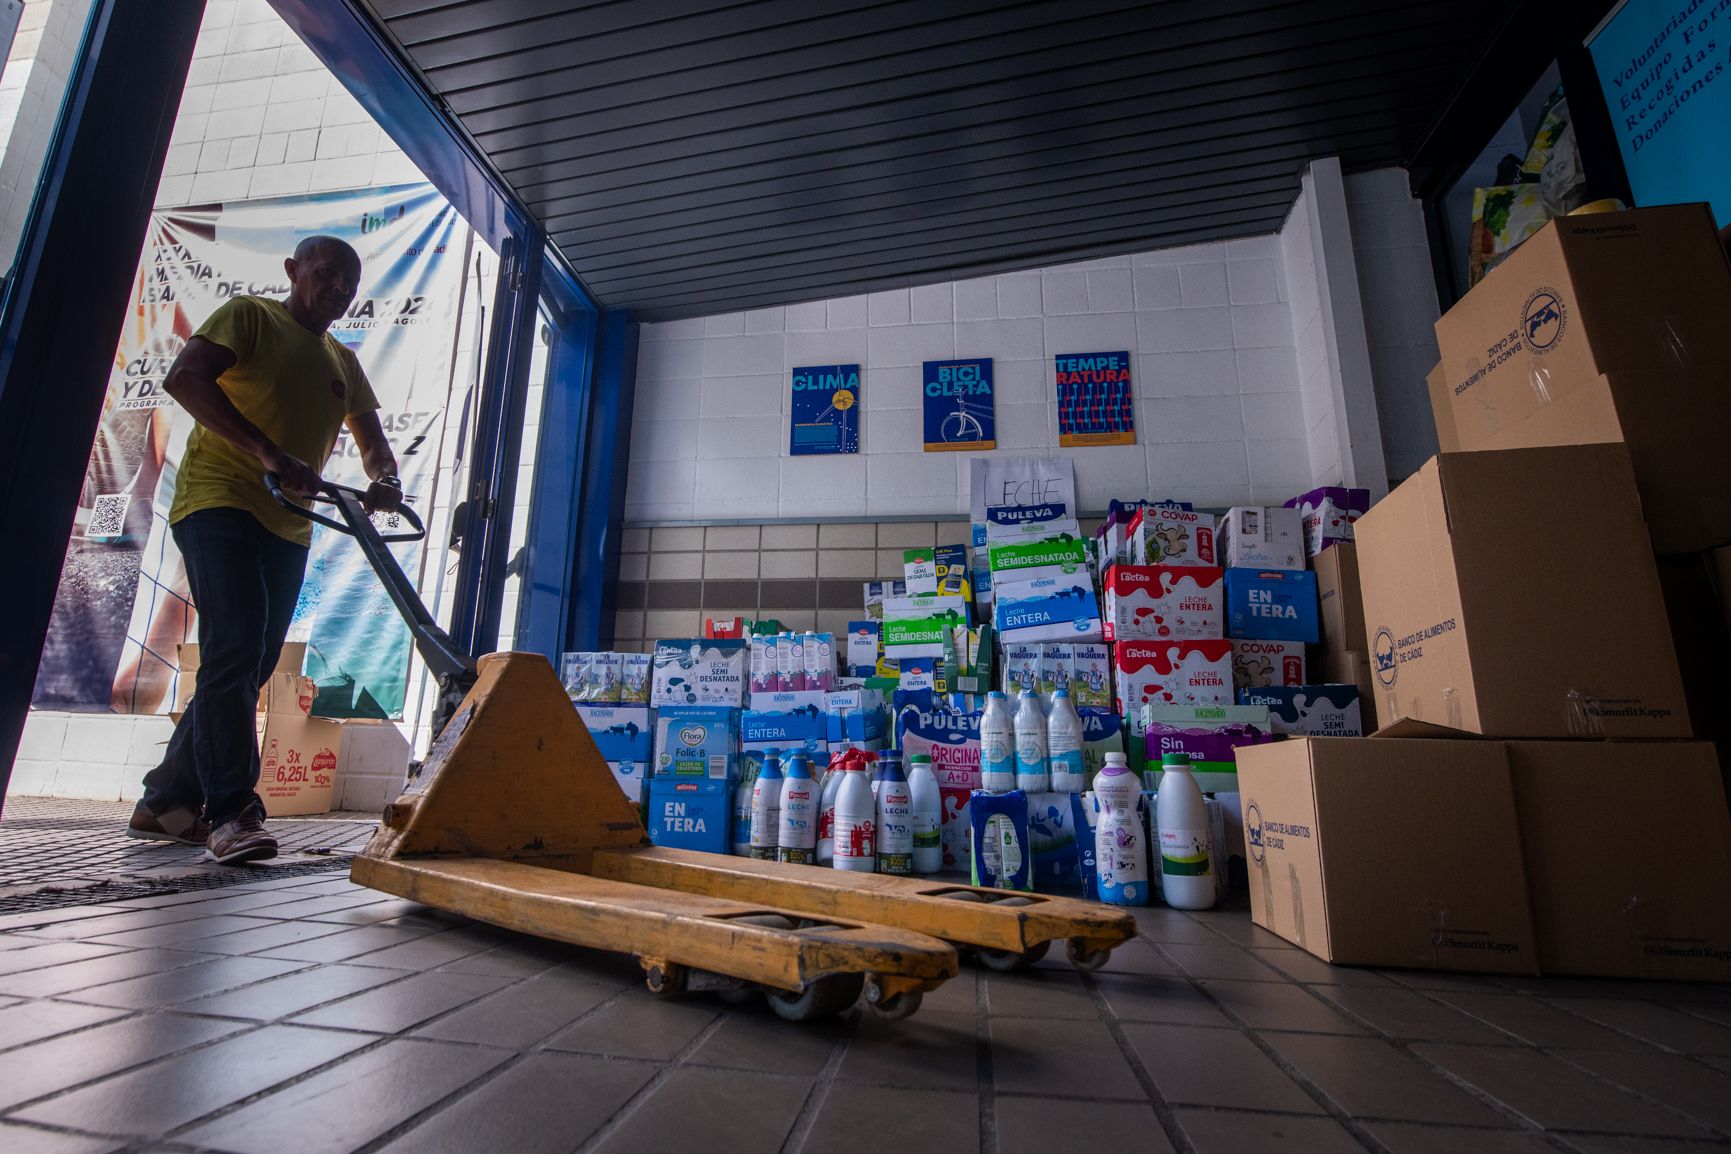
(31, 92)
(1210, 333)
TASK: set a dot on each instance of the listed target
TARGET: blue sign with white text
(959, 410)
(825, 410)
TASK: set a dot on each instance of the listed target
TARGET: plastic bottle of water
(1032, 776)
(826, 807)
(1120, 845)
(796, 840)
(997, 745)
(1064, 745)
(928, 804)
(855, 821)
(766, 806)
(1186, 840)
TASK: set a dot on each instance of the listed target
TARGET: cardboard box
(1628, 857)
(1605, 327)
(1514, 594)
(1272, 604)
(1340, 599)
(1309, 710)
(289, 662)
(1167, 535)
(1172, 673)
(1150, 602)
(1388, 853)
(1328, 515)
(1262, 537)
(699, 671)
(622, 734)
(696, 741)
(1258, 664)
(690, 813)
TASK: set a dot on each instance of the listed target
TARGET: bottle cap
(997, 693)
(1060, 692)
(920, 758)
(1175, 759)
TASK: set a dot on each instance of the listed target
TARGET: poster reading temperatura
(958, 405)
(123, 607)
(1096, 405)
(825, 410)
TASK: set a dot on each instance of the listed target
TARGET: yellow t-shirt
(297, 386)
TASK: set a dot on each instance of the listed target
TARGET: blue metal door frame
(65, 304)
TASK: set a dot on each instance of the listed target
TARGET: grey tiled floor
(306, 1014)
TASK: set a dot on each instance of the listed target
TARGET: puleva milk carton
(1328, 515)
(1311, 710)
(1262, 537)
(1272, 605)
(699, 671)
(1166, 535)
(951, 738)
(1047, 609)
(1260, 664)
(1150, 602)
(1173, 672)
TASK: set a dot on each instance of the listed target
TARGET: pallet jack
(513, 818)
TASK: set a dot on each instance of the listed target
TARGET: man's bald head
(324, 274)
(309, 248)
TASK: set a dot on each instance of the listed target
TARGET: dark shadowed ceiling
(695, 156)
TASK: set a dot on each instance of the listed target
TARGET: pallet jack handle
(451, 666)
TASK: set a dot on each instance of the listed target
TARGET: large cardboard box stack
(1605, 327)
(1514, 594)
(1342, 657)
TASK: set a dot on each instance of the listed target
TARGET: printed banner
(825, 410)
(123, 605)
(1096, 405)
(959, 411)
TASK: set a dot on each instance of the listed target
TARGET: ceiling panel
(694, 156)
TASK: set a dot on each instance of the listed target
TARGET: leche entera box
(1151, 602)
(1172, 673)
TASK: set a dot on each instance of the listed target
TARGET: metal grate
(129, 888)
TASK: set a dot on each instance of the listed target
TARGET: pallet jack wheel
(664, 979)
(1083, 958)
(894, 1007)
(1007, 961)
(826, 996)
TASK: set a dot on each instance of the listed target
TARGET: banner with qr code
(123, 607)
(1096, 405)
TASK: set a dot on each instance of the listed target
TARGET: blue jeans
(245, 582)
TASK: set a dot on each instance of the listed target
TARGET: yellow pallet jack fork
(514, 819)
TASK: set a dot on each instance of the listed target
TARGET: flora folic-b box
(1172, 673)
(1150, 602)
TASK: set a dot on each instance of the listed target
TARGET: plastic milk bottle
(1120, 846)
(1032, 776)
(1186, 841)
(797, 840)
(855, 821)
(895, 817)
(997, 745)
(766, 806)
(927, 814)
(1064, 745)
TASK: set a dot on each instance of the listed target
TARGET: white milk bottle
(1032, 776)
(855, 821)
(928, 806)
(826, 807)
(1064, 745)
(1120, 845)
(1186, 840)
(796, 840)
(997, 745)
(766, 806)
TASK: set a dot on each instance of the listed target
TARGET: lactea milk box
(1173, 672)
(1150, 602)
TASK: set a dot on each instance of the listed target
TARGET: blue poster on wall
(825, 410)
(959, 410)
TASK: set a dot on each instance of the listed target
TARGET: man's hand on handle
(294, 475)
(384, 495)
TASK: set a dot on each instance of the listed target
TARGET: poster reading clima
(825, 410)
(959, 410)
(1096, 405)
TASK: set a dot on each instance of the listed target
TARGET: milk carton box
(954, 572)
(799, 717)
(696, 741)
(1272, 605)
(1166, 535)
(1260, 664)
(951, 738)
(1007, 523)
(699, 671)
(876, 592)
(1052, 839)
(622, 733)
(1057, 661)
(1022, 661)
(632, 778)
(915, 626)
(634, 675)
(1151, 602)
(920, 571)
(1047, 557)
(863, 638)
(1102, 733)
(1091, 676)
(855, 719)
(592, 677)
(1047, 609)
(690, 813)
(1328, 514)
(1262, 537)
(1172, 672)
(1311, 710)
(1113, 538)
(1211, 735)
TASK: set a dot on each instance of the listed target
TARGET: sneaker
(178, 824)
(242, 840)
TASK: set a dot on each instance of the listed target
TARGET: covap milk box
(1272, 605)
(1172, 672)
(1311, 710)
(696, 741)
(1165, 535)
(1260, 664)
(699, 671)
(1047, 609)
(1262, 537)
(1150, 602)
(1328, 514)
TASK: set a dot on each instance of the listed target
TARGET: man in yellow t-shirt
(270, 389)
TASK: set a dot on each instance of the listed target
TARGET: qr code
(108, 517)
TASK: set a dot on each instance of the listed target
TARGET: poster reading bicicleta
(959, 413)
